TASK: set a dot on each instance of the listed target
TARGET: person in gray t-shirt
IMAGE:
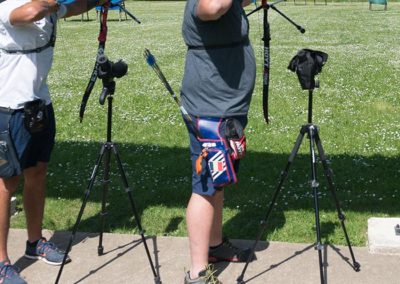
(218, 82)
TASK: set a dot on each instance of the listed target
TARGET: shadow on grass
(160, 178)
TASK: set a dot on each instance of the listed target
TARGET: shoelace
(7, 271)
(46, 246)
(210, 277)
(230, 245)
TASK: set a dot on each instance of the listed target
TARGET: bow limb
(102, 38)
(266, 65)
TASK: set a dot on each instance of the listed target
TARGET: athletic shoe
(9, 274)
(228, 252)
(206, 276)
(46, 251)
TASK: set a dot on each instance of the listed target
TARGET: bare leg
(7, 188)
(34, 198)
(203, 220)
(216, 230)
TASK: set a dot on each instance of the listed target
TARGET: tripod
(312, 132)
(105, 153)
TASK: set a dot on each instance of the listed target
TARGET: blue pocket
(9, 164)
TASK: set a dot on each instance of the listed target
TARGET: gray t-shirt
(220, 69)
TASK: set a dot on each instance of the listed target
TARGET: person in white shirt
(27, 122)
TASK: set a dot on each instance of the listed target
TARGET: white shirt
(23, 77)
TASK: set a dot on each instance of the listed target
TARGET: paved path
(125, 261)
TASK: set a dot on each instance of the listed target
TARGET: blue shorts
(202, 184)
(32, 149)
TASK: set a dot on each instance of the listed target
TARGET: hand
(53, 6)
(247, 2)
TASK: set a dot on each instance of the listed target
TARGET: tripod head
(307, 63)
(107, 71)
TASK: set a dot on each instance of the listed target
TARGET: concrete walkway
(125, 261)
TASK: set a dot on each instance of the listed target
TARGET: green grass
(356, 107)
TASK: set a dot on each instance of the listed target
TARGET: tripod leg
(263, 223)
(106, 182)
(314, 186)
(129, 192)
(331, 186)
(78, 220)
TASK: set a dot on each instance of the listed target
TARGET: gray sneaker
(228, 252)
(9, 274)
(46, 251)
(206, 276)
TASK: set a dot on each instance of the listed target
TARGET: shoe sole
(45, 260)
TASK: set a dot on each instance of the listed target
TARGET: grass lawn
(356, 107)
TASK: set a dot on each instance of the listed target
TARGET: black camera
(307, 63)
(108, 69)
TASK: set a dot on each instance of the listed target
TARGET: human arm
(80, 6)
(32, 12)
(211, 10)
(247, 2)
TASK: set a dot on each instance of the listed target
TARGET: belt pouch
(219, 161)
(35, 116)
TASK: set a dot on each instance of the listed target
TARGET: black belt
(7, 110)
(217, 46)
(36, 50)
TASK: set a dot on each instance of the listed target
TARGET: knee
(9, 185)
(36, 174)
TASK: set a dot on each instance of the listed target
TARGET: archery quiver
(223, 142)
